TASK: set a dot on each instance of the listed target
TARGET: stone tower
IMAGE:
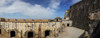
(66, 15)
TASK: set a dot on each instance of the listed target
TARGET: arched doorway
(47, 33)
(12, 34)
(30, 34)
(0, 31)
(68, 24)
(57, 19)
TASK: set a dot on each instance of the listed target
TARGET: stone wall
(79, 13)
(21, 29)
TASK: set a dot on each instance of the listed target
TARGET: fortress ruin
(29, 28)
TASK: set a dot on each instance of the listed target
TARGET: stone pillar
(18, 35)
(36, 36)
(42, 35)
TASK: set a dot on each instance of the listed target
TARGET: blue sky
(34, 9)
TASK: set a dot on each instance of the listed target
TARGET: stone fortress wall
(28, 28)
(86, 15)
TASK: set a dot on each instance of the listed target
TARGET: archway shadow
(47, 33)
(29, 34)
(12, 34)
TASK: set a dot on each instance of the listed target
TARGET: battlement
(25, 20)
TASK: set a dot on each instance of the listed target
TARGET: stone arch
(30, 34)
(0, 32)
(68, 24)
(47, 33)
(13, 33)
(0, 29)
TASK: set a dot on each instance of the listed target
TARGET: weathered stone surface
(79, 12)
(22, 27)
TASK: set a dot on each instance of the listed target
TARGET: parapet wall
(23, 20)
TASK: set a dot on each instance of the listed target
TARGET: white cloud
(75, 1)
(4, 2)
(35, 11)
(54, 4)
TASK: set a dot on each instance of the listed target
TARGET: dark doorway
(12, 34)
(0, 31)
(47, 33)
(30, 34)
(57, 20)
(68, 24)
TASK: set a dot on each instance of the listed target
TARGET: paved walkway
(70, 32)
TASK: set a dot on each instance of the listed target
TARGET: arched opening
(57, 20)
(12, 34)
(47, 33)
(0, 31)
(68, 24)
(30, 34)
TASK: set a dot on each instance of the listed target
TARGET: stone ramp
(70, 32)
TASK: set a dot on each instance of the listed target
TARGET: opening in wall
(30, 34)
(68, 24)
(12, 34)
(57, 20)
(47, 33)
(0, 31)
